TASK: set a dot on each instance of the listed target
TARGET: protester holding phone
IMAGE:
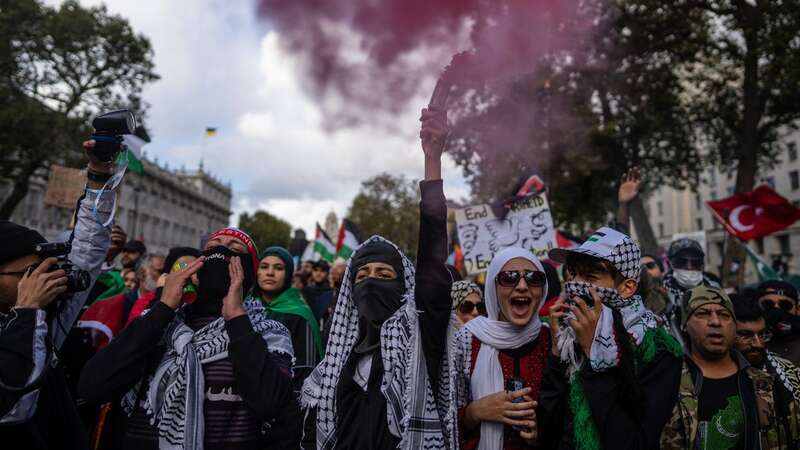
(498, 359)
(613, 371)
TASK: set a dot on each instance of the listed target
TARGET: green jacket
(763, 430)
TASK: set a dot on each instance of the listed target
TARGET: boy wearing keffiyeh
(612, 372)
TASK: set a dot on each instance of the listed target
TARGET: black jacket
(432, 292)
(621, 425)
(135, 353)
(55, 423)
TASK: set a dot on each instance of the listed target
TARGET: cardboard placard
(528, 225)
(64, 187)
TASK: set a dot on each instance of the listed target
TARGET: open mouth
(716, 338)
(520, 306)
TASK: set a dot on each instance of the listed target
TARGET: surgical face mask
(688, 278)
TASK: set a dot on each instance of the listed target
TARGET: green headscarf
(289, 301)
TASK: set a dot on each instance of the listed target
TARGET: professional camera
(77, 279)
(108, 131)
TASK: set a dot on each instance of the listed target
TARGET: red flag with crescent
(751, 215)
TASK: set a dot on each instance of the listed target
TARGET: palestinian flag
(134, 152)
(348, 240)
(104, 316)
(764, 270)
(566, 242)
(320, 248)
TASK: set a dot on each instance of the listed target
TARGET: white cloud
(221, 67)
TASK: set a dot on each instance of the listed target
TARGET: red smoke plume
(365, 56)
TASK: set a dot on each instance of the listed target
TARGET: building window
(699, 224)
(770, 181)
(760, 245)
(794, 180)
(730, 190)
(661, 230)
(712, 177)
(792, 153)
(698, 202)
(783, 243)
(713, 195)
(660, 207)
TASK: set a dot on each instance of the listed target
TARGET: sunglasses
(510, 278)
(786, 305)
(468, 307)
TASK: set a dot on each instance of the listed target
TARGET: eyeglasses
(21, 273)
(468, 307)
(688, 263)
(510, 278)
(786, 305)
(748, 336)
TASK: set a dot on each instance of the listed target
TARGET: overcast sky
(221, 66)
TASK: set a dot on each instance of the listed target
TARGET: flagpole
(203, 149)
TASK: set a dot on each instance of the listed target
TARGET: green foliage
(387, 205)
(60, 67)
(266, 229)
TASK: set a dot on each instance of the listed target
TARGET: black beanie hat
(17, 241)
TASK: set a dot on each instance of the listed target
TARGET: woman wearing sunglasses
(467, 301)
(498, 359)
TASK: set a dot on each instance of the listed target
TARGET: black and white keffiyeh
(413, 411)
(174, 400)
(787, 373)
(605, 352)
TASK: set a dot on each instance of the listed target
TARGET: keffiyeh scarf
(460, 291)
(787, 372)
(174, 399)
(605, 352)
(413, 411)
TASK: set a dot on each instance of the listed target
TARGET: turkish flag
(751, 215)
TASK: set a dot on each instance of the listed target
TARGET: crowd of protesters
(230, 346)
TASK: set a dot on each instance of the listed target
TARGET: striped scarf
(174, 399)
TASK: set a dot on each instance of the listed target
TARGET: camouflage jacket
(763, 429)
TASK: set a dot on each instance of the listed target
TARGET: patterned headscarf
(412, 408)
(460, 291)
(242, 236)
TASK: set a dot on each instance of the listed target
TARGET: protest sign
(528, 225)
(64, 187)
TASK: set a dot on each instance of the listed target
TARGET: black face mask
(781, 323)
(214, 278)
(376, 301)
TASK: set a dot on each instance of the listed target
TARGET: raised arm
(90, 239)
(433, 279)
(628, 190)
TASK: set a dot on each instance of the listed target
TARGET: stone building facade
(164, 207)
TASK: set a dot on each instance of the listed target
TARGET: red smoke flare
(401, 43)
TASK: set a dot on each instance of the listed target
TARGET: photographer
(38, 306)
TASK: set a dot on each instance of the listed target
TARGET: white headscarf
(487, 378)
